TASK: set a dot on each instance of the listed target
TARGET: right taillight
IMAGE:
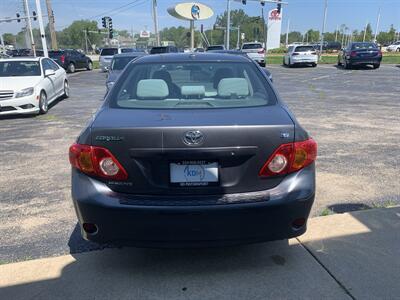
(96, 161)
(289, 158)
(62, 58)
(353, 53)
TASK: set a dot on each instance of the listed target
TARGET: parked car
(71, 60)
(106, 55)
(25, 52)
(28, 85)
(300, 55)
(395, 47)
(192, 150)
(215, 47)
(118, 63)
(163, 49)
(360, 53)
(255, 51)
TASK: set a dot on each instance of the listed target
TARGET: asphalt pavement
(353, 115)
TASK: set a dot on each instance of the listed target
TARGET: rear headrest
(193, 91)
(233, 87)
(152, 89)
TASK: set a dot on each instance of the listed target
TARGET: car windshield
(364, 46)
(109, 51)
(19, 68)
(157, 50)
(192, 85)
(119, 63)
(252, 46)
(304, 48)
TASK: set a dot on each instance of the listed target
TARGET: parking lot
(353, 115)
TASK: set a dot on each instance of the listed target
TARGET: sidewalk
(341, 257)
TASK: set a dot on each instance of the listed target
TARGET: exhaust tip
(90, 228)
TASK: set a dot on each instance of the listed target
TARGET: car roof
(22, 58)
(130, 54)
(191, 57)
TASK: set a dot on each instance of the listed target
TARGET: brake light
(295, 53)
(289, 158)
(62, 58)
(96, 161)
(353, 53)
(379, 53)
(261, 51)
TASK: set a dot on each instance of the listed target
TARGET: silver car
(301, 55)
(106, 56)
(255, 51)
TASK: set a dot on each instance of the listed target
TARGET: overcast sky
(136, 14)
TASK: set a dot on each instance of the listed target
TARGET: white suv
(255, 51)
(395, 47)
(301, 55)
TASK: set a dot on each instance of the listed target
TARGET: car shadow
(359, 67)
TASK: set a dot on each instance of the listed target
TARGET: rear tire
(66, 90)
(346, 65)
(43, 104)
(89, 66)
(71, 68)
(314, 65)
(376, 66)
(284, 62)
(262, 65)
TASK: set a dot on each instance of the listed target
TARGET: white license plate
(192, 173)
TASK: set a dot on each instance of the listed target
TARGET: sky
(136, 14)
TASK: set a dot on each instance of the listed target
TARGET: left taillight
(96, 161)
(289, 158)
(262, 51)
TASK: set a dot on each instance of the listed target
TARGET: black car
(71, 60)
(163, 49)
(25, 53)
(360, 53)
(191, 150)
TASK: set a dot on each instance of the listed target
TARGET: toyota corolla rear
(192, 150)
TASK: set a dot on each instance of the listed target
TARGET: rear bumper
(304, 60)
(260, 58)
(365, 61)
(269, 218)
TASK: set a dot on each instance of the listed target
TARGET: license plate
(194, 173)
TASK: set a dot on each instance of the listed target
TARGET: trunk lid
(147, 142)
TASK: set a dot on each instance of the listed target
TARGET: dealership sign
(144, 34)
(191, 11)
(274, 29)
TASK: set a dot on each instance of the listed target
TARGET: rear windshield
(364, 46)
(55, 53)
(108, 51)
(304, 48)
(252, 46)
(127, 50)
(215, 48)
(157, 50)
(19, 68)
(191, 85)
(119, 63)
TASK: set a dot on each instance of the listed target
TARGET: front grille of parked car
(5, 95)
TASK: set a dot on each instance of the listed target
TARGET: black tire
(314, 65)
(398, 49)
(339, 63)
(346, 65)
(66, 90)
(89, 66)
(262, 65)
(283, 62)
(71, 68)
(43, 104)
(376, 66)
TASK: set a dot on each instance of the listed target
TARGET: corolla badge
(193, 138)
(195, 11)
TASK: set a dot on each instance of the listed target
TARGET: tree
(9, 39)
(74, 37)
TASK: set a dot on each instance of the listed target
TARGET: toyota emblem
(193, 138)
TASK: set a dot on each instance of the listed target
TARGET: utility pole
(41, 27)
(155, 17)
(323, 29)
(228, 24)
(86, 41)
(29, 24)
(264, 32)
(51, 25)
(365, 31)
(336, 33)
(287, 33)
(238, 37)
(377, 24)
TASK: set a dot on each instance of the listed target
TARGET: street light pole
(323, 29)
(41, 27)
(155, 17)
(228, 24)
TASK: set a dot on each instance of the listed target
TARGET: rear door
(158, 152)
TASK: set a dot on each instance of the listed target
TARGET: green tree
(74, 37)
(9, 39)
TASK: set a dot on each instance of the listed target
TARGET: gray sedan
(192, 150)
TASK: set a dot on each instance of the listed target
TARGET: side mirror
(49, 72)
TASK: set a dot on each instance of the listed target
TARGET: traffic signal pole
(41, 28)
(51, 25)
(29, 23)
(228, 24)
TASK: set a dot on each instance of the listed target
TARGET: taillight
(379, 53)
(290, 158)
(353, 53)
(295, 53)
(261, 51)
(62, 58)
(96, 161)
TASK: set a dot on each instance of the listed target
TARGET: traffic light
(34, 15)
(279, 7)
(244, 2)
(110, 28)
(262, 3)
(18, 17)
(104, 22)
